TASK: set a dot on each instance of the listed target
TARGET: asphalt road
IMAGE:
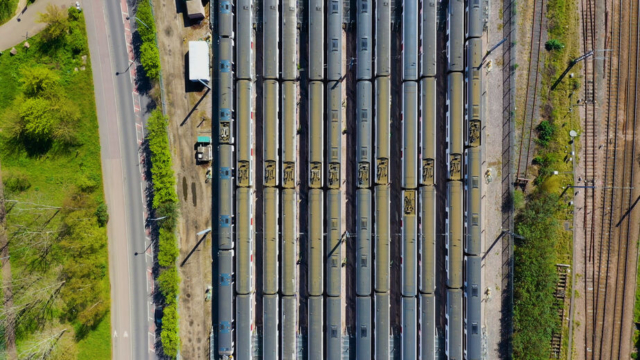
(120, 132)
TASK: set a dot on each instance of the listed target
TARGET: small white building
(199, 61)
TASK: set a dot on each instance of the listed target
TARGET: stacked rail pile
(364, 114)
(382, 235)
(427, 243)
(473, 184)
(226, 139)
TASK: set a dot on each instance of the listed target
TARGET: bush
(169, 334)
(87, 185)
(16, 184)
(161, 165)
(545, 132)
(535, 277)
(553, 44)
(150, 60)
(102, 214)
(168, 250)
(169, 284)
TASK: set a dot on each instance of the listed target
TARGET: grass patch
(59, 255)
(540, 221)
(7, 10)
(97, 344)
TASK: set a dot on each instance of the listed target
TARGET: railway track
(614, 255)
(533, 78)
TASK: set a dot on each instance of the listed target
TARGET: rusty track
(614, 256)
(524, 150)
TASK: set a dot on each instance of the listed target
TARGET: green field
(7, 9)
(50, 154)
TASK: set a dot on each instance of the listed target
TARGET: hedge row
(149, 55)
(165, 202)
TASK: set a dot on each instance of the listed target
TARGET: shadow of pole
(195, 107)
(193, 250)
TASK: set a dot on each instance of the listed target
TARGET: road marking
(152, 342)
(115, 334)
(125, 334)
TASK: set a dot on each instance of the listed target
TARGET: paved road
(24, 24)
(120, 132)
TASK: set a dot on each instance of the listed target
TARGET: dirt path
(25, 25)
(189, 111)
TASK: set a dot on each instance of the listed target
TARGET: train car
(474, 19)
(334, 40)
(429, 44)
(473, 82)
(334, 327)
(410, 40)
(382, 238)
(271, 39)
(316, 134)
(225, 19)
(428, 130)
(244, 240)
(289, 285)
(363, 242)
(245, 67)
(289, 51)
(244, 327)
(289, 134)
(316, 40)
(271, 328)
(381, 325)
(225, 198)
(244, 123)
(225, 92)
(334, 248)
(410, 135)
(455, 125)
(364, 40)
(364, 115)
(428, 327)
(409, 328)
(453, 327)
(455, 36)
(473, 187)
(289, 321)
(225, 303)
(334, 133)
(270, 251)
(383, 130)
(271, 145)
(315, 274)
(454, 234)
(383, 38)
(409, 261)
(363, 329)
(428, 239)
(473, 311)
(316, 325)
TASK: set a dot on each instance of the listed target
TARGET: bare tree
(7, 288)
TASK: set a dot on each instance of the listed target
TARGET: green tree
(57, 22)
(545, 132)
(169, 284)
(553, 44)
(150, 60)
(38, 120)
(38, 80)
(168, 251)
(145, 15)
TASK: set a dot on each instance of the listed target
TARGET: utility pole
(571, 65)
